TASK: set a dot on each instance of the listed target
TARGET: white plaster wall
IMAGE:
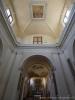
(60, 80)
(68, 76)
(68, 53)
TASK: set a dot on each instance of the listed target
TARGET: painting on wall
(37, 11)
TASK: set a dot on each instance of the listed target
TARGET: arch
(38, 60)
(30, 69)
(74, 49)
(1, 47)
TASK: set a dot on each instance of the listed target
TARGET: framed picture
(37, 11)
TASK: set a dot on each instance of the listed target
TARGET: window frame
(37, 40)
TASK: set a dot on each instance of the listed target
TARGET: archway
(36, 72)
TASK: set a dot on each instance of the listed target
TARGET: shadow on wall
(74, 49)
(1, 48)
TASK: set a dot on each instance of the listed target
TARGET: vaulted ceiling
(49, 25)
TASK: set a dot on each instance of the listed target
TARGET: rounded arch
(1, 47)
(38, 57)
(37, 61)
(74, 49)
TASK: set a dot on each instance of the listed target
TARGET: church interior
(37, 49)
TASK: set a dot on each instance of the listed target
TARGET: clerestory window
(9, 15)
